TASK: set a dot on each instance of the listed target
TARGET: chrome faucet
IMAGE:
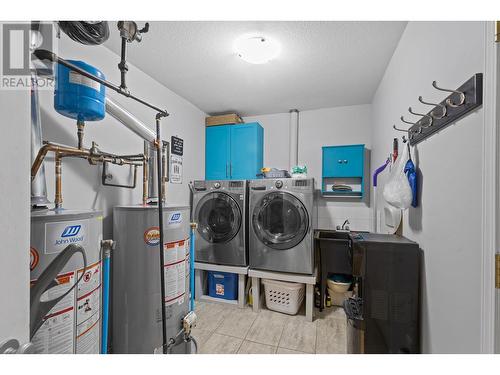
(345, 226)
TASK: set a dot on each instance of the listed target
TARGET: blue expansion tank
(77, 96)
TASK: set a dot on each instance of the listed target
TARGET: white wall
(276, 138)
(317, 128)
(14, 220)
(81, 182)
(447, 225)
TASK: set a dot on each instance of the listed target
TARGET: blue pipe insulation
(105, 301)
(191, 266)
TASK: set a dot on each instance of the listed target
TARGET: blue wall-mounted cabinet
(343, 166)
(217, 152)
(234, 152)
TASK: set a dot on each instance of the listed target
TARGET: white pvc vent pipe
(294, 138)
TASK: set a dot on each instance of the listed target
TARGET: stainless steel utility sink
(331, 235)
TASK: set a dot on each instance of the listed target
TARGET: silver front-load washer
(282, 218)
(219, 209)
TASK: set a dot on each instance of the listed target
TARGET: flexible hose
(195, 344)
(86, 32)
(180, 338)
(38, 308)
(160, 228)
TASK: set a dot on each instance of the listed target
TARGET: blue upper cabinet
(247, 151)
(343, 161)
(217, 151)
(343, 166)
(234, 151)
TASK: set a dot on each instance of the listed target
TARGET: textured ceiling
(321, 64)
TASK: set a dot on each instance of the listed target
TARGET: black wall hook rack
(473, 90)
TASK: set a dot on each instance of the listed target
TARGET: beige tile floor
(226, 329)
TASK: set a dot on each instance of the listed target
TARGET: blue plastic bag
(411, 173)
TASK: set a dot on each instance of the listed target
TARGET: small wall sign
(177, 147)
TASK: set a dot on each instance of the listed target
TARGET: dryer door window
(280, 220)
(219, 217)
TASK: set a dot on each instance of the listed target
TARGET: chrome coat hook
(400, 130)
(411, 123)
(407, 122)
(449, 101)
(431, 120)
(407, 131)
(443, 108)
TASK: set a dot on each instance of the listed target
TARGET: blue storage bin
(223, 285)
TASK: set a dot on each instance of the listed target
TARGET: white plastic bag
(397, 190)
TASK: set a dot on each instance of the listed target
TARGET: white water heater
(73, 325)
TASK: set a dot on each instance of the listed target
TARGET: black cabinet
(387, 268)
(334, 254)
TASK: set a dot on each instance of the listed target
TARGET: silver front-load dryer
(219, 209)
(282, 218)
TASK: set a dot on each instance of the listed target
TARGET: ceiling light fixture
(257, 49)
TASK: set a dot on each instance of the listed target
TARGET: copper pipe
(145, 174)
(58, 196)
(66, 151)
(61, 151)
(49, 147)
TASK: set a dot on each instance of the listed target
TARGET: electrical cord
(193, 340)
(86, 32)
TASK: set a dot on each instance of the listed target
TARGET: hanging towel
(411, 173)
(341, 187)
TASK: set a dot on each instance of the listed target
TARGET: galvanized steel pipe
(38, 184)
(129, 120)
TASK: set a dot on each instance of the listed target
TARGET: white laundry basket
(283, 296)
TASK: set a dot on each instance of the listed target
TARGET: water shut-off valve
(189, 322)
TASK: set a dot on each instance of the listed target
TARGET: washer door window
(280, 220)
(219, 217)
